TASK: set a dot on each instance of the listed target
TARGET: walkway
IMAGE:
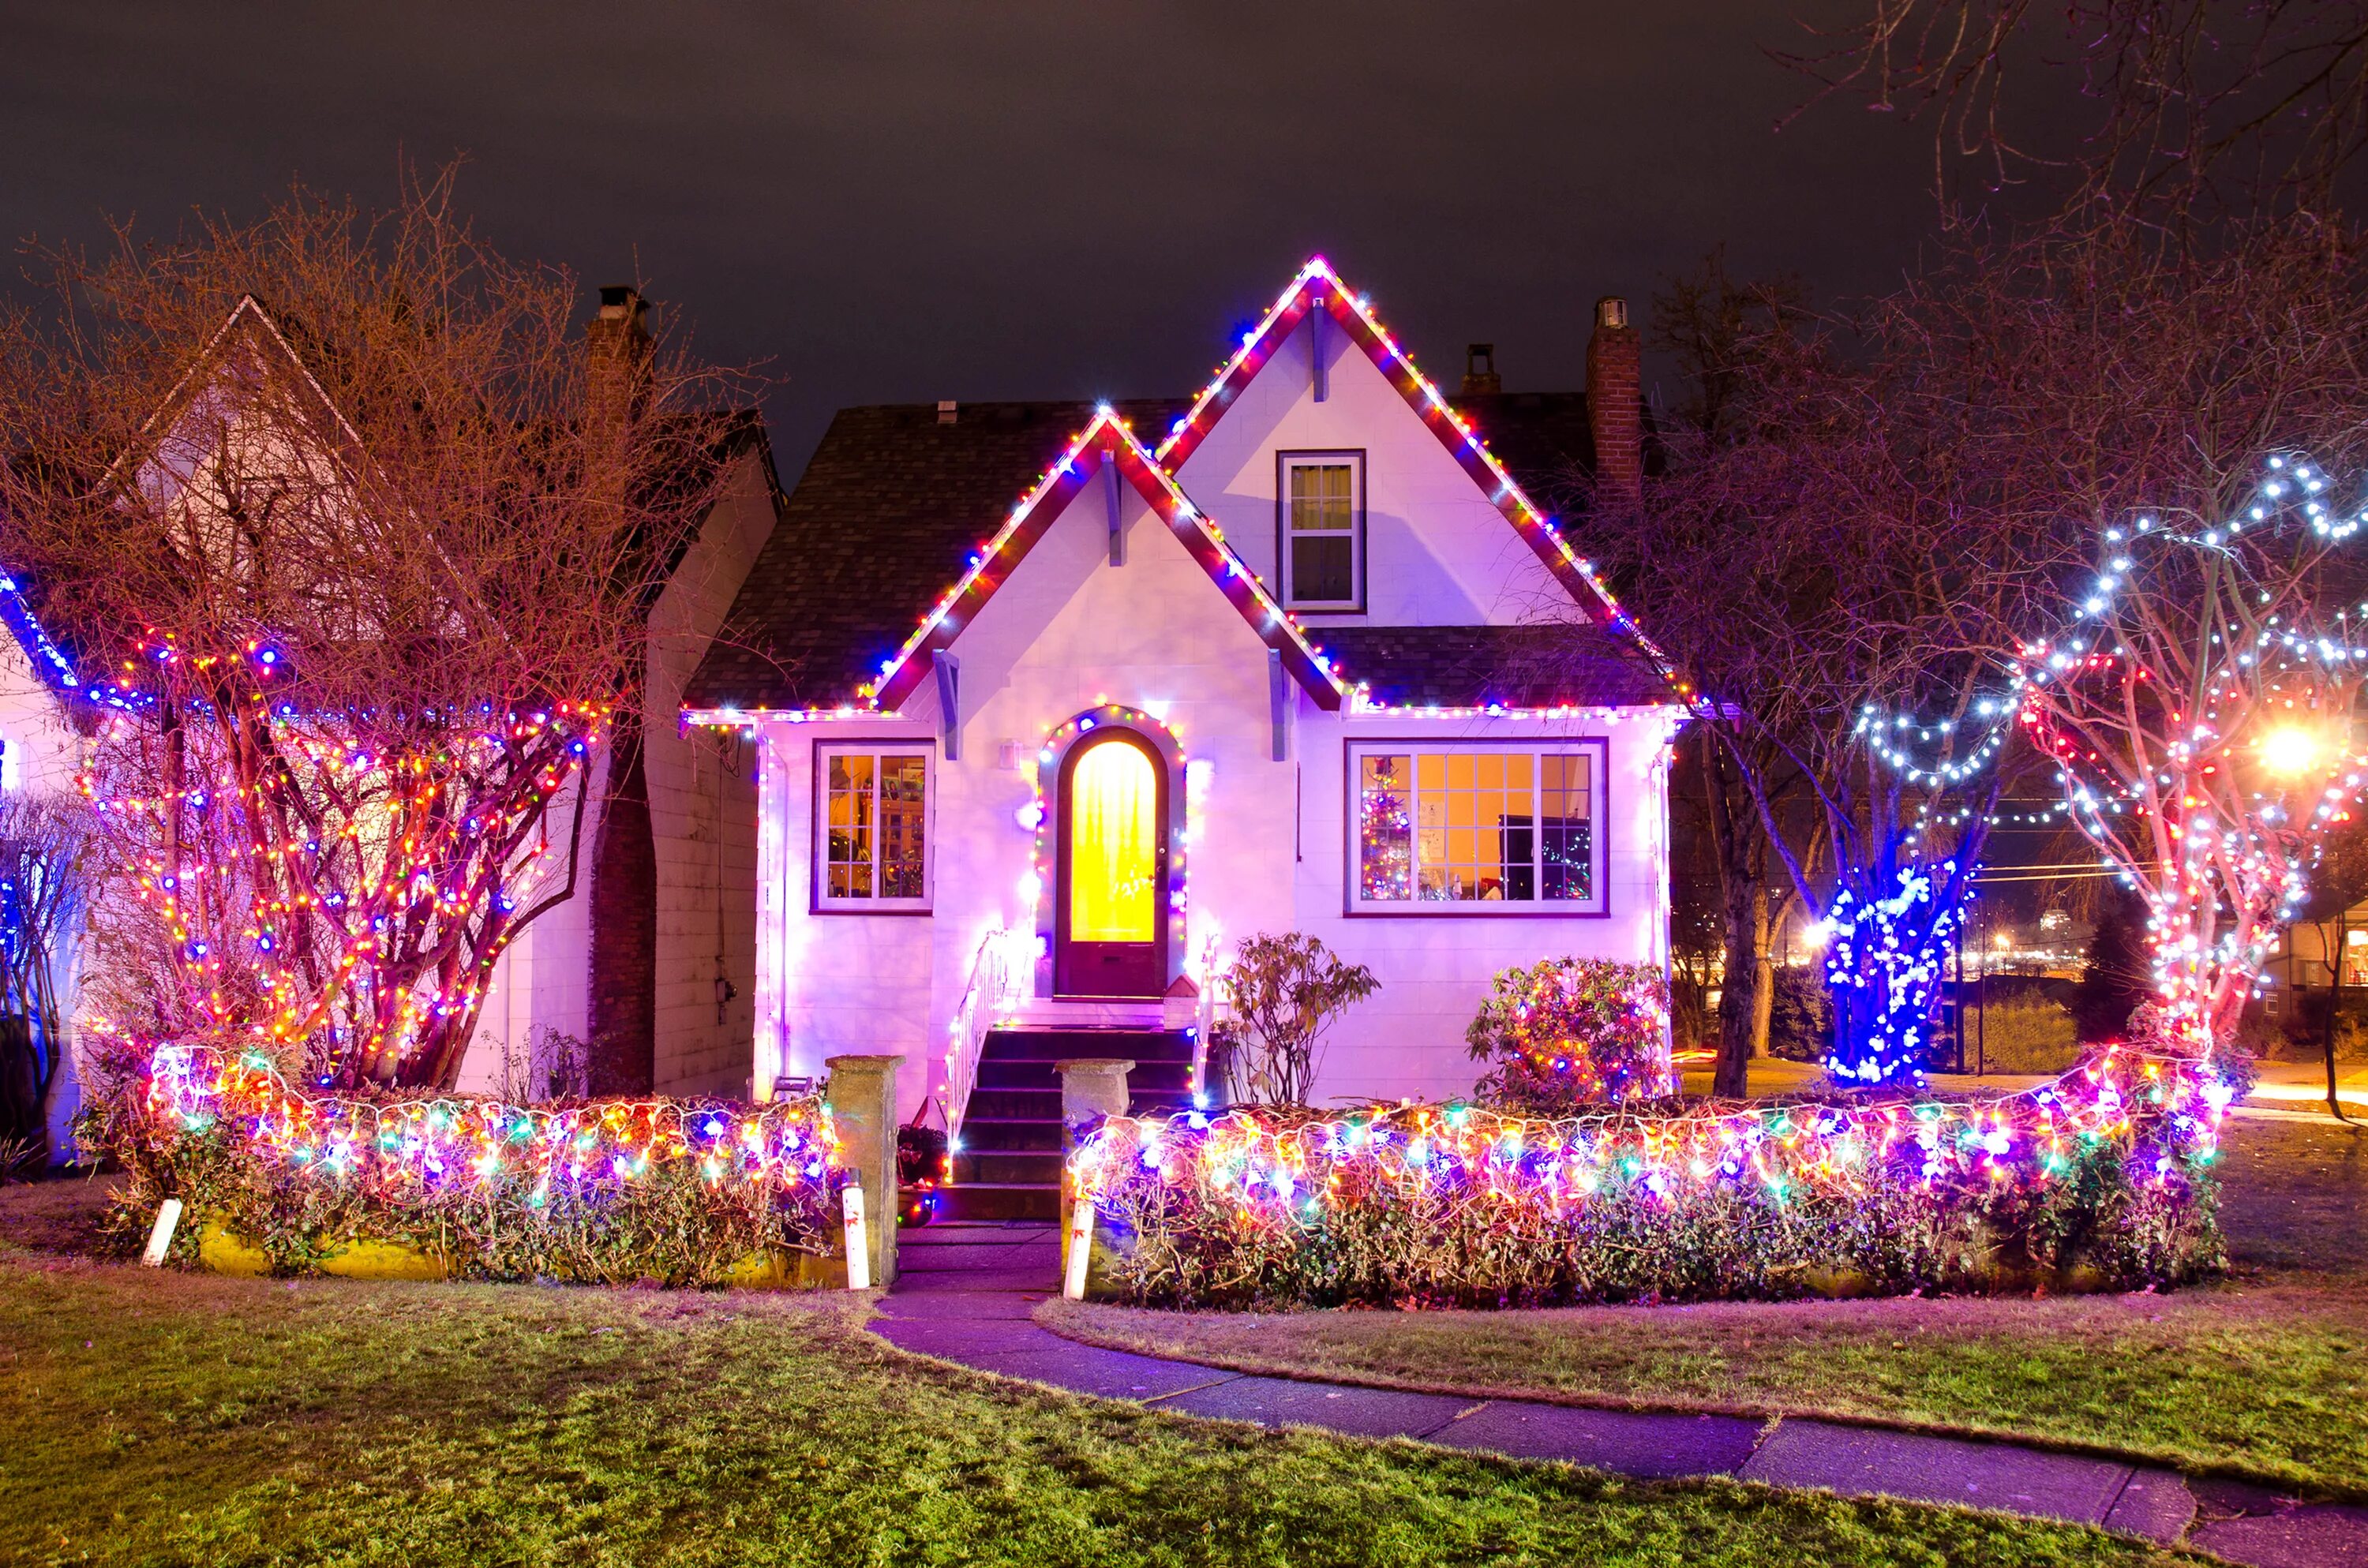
(966, 1292)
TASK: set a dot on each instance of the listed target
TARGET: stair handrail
(1205, 1016)
(994, 988)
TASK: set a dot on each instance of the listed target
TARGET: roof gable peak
(1107, 439)
(1318, 287)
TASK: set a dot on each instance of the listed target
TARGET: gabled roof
(1539, 666)
(893, 507)
(897, 504)
(1105, 440)
(1318, 287)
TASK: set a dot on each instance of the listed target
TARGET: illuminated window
(872, 851)
(1477, 829)
(1323, 533)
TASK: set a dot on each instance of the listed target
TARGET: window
(1476, 830)
(872, 851)
(1323, 529)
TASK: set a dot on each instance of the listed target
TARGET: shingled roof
(889, 512)
(894, 503)
(1573, 664)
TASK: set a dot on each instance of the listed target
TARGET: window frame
(1355, 905)
(1284, 461)
(818, 899)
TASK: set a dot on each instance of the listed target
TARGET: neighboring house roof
(1553, 666)
(719, 437)
(895, 505)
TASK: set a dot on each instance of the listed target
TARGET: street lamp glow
(2289, 750)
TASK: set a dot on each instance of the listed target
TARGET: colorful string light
(1238, 1191)
(410, 1151)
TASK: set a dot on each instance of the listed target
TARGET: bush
(2025, 1034)
(1568, 1032)
(605, 1192)
(2100, 1180)
(1283, 993)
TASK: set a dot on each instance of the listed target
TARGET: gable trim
(1106, 439)
(1318, 287)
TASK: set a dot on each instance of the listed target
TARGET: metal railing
(997, 982)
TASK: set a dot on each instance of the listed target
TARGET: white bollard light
(858, 1244)
(159, 1236)
(1081, 1250)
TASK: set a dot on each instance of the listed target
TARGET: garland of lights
(1444, 1198)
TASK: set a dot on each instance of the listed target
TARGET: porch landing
(966, 1292)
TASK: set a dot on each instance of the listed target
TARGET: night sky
(913, 200)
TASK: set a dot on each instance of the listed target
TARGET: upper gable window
(1321, 546)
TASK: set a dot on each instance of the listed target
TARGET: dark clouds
(909, 199)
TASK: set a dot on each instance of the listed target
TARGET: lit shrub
(1568, 1032)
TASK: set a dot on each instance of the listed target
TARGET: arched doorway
(1109, 902)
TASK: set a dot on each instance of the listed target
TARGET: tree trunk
(1736, 841)
(1767, 919)
(1740, 1025)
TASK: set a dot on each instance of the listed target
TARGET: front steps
(1009, 1165)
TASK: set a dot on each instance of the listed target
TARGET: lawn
(155, 1417)
(2264, 1375)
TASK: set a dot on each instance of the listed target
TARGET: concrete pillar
(1091, 1087)
(861, 1094)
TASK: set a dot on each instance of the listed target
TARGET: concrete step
(995, 1166)
(999, 1200)
(1006, 1134)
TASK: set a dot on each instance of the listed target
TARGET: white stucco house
(1053, 703)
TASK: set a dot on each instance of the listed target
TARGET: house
(633, 972)
(1301, 652)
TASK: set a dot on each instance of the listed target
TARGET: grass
(155, 1417)
(2263, 1376)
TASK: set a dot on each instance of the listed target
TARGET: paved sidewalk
(966, 1292)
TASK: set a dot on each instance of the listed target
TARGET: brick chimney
(1480, 370)
(617, 347)
(1615, 399)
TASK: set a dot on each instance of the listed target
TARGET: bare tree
(2185, 108)
(354, 540)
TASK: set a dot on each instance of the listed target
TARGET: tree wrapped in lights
(351, 542)
(2200, 711)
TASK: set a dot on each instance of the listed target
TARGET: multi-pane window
(1323, 519)
(873, 844)
(1471, 828)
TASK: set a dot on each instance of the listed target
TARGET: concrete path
(966, 1292)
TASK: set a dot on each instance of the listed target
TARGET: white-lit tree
(2202, 708)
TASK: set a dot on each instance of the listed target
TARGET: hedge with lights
(2099, 1180)
(678, 1191)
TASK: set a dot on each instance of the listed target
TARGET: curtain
(1113, 844)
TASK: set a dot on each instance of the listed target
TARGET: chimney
(1480, 370)
(1615, 399)
(617, 347)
